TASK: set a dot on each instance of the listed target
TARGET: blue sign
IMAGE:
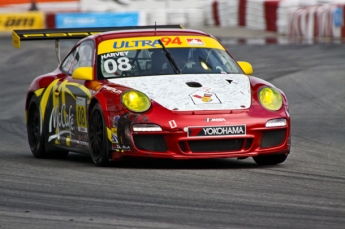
(87, 20)
(338, 17)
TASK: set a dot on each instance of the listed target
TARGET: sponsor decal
(113, 90)
(136, 43)
(111, 65)
(202, 97)
(147, 43)
(61, 120)
(13, 21)
(172, 124)
(77, 142)
(116, 121)
(81, 114)
(214, 131)
(195, 41)
(215, 120)
(114, 54)
(114, 137)
(120, 147)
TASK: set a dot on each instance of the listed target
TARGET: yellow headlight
(270, 98)
(135, 101)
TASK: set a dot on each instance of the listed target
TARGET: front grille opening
(150, 142)
(271, 138)
(216, 145)
(249, 142)
(182, 146)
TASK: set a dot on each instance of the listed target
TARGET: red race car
(152, 91)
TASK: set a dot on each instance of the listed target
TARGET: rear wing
(73, 33)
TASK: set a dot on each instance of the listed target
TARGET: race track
(307, 191)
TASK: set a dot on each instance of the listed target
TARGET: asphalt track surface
(307, 191)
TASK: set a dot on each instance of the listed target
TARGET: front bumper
(178, 145)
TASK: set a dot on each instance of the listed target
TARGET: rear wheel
(33, 125)
(35, 133)
(270, 159)
(99, 149)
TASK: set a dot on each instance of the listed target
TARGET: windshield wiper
(170, 58)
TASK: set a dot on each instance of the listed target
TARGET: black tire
(272, 159)
(99, 147)
(34, 127)
(35, 133)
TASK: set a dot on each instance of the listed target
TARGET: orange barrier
(9, 2)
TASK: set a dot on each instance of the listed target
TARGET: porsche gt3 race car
(152, 91)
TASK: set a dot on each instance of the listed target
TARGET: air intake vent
(194, 84)
(272, 138)
(150, 142)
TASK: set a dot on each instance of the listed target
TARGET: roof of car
(148, 32)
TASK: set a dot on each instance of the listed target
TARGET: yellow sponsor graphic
(30, 20)
(58, 35)
(45, 96)
(153, 42)
(81, 114)
(109, 134)
(39, 92)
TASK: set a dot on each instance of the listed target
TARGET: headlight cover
(270, 98)
(135, 101)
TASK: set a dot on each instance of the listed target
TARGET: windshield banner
(152, 42)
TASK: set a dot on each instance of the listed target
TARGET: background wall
(307, 18)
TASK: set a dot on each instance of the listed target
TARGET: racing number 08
(122, 64)
(81, 112)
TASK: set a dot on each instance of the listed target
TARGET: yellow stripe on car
(46, 95)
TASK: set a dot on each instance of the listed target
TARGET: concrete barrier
(310, 19)
(317, 21)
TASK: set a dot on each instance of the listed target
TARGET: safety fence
(317, 21)
(306, 18)
(292, 18)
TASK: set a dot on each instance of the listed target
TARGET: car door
(70, 99)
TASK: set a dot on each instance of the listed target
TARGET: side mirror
(83, 73)
(246, 67)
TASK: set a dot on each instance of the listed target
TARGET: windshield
(144, 58)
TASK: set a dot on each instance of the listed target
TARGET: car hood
(194, 92)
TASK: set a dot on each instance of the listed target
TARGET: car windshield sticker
(114, 54)
(114, 61)
(195, 41)
(111, 65)
(135, 43)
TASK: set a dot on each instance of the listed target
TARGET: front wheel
(99, 149)
(270, 159)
